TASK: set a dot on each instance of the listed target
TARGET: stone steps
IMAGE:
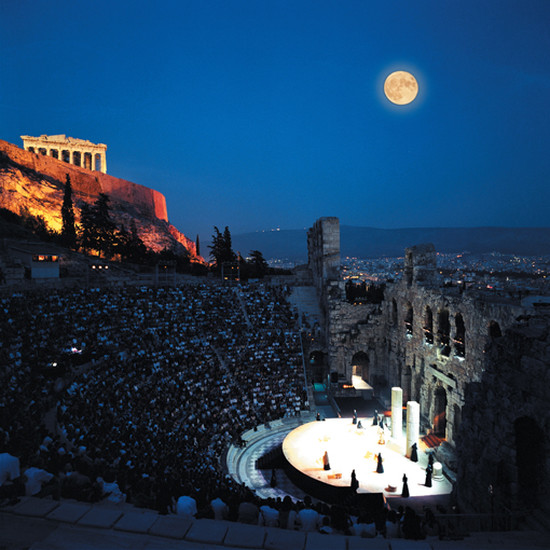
(67, 524)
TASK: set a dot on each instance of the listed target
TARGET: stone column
(104, 163)
(413, 425)
(397, 413)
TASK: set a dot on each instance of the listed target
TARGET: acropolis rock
(35, 183)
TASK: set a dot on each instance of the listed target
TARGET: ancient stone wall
(324, 249)
(425, 338)
(504, 439)
(478, 365)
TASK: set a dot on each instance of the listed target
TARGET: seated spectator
(219, 508)
(287, 514)
(186, 505)
(248, 512)
(269, 515)
(430, 525)
(110, 491)
(364, 527)
(340, 520)
(308, 519)
(325, 528)
(411, 528)
(392, 526)
(34, 478)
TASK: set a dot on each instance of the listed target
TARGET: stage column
(397, 413)
(413, 425)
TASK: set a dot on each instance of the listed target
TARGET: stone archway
(440, 412)
(360, 365)
(530, 459)
(494, 330)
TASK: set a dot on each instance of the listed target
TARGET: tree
(98, 231)
(68, 231)
(258, 264)
(220, 249)
(229, 255)
(105, 227)
(137, 251)
(87, 231)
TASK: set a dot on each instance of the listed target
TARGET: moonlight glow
(401, 87)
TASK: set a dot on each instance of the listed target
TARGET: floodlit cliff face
(35, 183)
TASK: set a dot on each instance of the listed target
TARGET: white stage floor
(351, 448)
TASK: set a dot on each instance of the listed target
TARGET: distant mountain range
(369, 242)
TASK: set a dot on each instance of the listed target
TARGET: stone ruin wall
(482, 388)
(504, 438)
(323, 245)
(426, 370)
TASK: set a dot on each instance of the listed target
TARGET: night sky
(262, 114)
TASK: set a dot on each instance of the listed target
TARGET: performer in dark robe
(375, 418)
(354, 483)
(414, 453)
(380, 467)
(326, 463)
(429, 470)
(405, 490)
(354, 421)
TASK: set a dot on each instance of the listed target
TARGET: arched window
(440, 412)
(494, 330)
(409, 318)
(429, 325)
(460, 335)
(443, 332)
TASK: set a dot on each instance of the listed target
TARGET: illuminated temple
(80, 152)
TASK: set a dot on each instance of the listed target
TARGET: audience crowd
(133, 394)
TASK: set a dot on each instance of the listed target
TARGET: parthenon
(79, 152)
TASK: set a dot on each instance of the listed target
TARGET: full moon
(401, 87)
